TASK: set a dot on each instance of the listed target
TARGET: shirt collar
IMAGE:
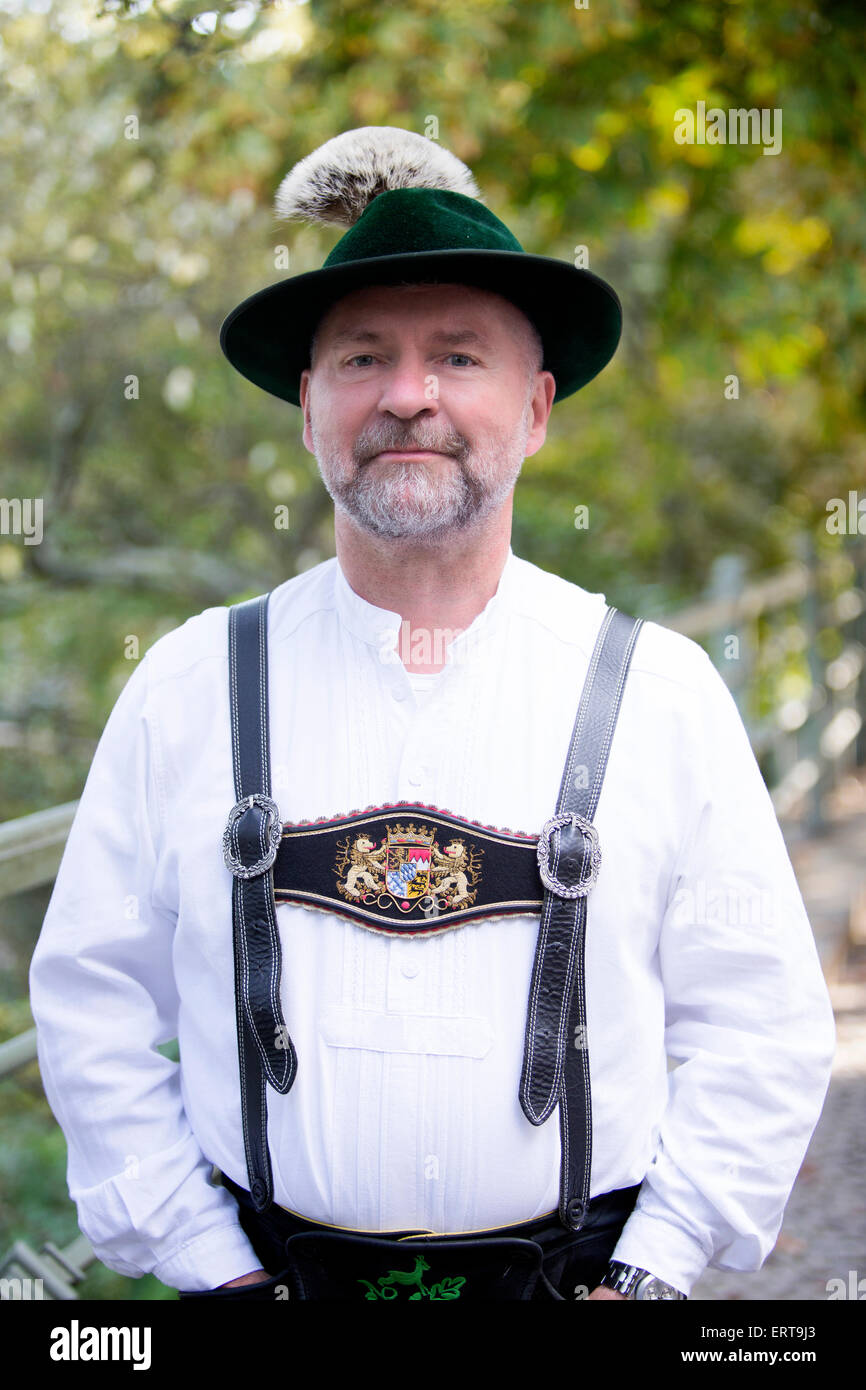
(380, 626)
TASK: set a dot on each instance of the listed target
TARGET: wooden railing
(812, 616)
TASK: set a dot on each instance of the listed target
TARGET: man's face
(422, 405)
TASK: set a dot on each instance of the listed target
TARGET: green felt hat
(414, 216)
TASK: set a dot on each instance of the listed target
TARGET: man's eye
(370, 358)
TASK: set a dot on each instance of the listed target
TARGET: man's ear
(304, 393)
(542, 404)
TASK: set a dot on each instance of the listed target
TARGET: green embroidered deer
(385, 1286)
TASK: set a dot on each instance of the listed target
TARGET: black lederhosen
(535, 1261)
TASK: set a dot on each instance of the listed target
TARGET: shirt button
(410, 970)
(416, 777)
(398, 692)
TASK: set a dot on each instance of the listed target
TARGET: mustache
(376, 442)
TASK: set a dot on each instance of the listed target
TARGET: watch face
(655, 1288)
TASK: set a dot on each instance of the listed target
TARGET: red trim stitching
(419, 805)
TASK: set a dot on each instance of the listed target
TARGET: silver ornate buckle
(563, 890)
(275, 832)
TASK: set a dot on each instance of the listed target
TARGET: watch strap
(627, 1280)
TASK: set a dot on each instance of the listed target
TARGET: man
(421, 690)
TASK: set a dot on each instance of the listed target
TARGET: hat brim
(577, 314)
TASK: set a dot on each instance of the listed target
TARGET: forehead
(428, 306)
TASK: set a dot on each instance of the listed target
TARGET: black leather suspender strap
(250, 842)
(556, 1057)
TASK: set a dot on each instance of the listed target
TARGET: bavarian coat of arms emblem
(408, 867)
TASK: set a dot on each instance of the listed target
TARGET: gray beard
(397, 499)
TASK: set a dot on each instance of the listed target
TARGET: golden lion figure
(366, 867)
(453, 863)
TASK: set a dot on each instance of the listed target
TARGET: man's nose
(409, 388)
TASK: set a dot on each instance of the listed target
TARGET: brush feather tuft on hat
(339, 180)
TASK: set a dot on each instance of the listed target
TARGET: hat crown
(402, 220)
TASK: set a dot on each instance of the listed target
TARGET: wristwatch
(633, 1282)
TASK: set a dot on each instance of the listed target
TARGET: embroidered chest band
(408, 869)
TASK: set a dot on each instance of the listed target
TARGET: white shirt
(698, 949)
(422, 684)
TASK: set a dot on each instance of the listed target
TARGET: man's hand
(602, 1292)
(255, 1276)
